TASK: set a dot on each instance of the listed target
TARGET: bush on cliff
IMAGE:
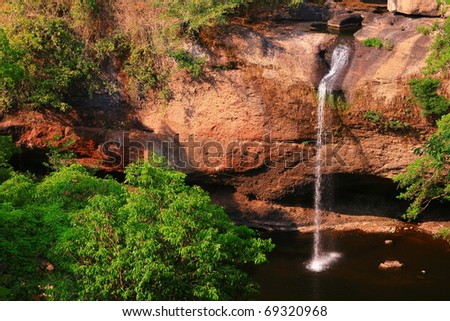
(428, 178)
(425, 91)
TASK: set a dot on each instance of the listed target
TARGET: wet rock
(346, 21)
(430, 8)
(390, 265)
(388, 242)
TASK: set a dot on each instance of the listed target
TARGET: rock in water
(388, 242)
(390, 265)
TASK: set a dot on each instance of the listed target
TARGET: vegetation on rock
(425, 91)
(377, 118)
(428, 178)
(50, 49)
(373, 42)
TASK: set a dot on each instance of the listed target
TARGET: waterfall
(321, 260)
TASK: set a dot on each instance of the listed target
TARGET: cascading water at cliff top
(320, 260)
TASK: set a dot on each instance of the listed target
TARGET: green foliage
(186, 60)
(443, 233)
(424, 30)
(11, 73)
(151, 238)
(196, 14)
(59, 155)
(439, 58)
(435, 26)
(52, 49)
(425, 91)
(181, 246)
(373, 42)
(51, 62)
(19, 246)
(373, 116)
(428, 178)
(70, 188)
(338, 103)
(394, 124)
(17, 190)
(387, 124)
(7, 150)
(140, 66)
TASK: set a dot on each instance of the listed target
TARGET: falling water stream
(321, 260)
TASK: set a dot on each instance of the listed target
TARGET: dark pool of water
(356, 275)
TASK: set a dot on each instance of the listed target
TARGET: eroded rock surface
(429, 8)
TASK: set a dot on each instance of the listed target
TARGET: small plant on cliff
(338, 103)
(428, 178)
(186, 60)
(443, 233)
(373, 116)
(439, 58)
(425, 91)
(386, 124)
(373, 42)
(396, 125)
(424, 30)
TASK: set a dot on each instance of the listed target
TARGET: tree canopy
(74, 236)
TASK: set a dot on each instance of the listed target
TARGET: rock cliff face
(250, 122)
(262, 114)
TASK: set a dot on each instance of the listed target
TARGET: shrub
(373, 42)
(428, 178)
(373, 116)
(439, 57)
(11, 72)
(187, 61)
(443, 233)
(338, 103)
(425, 91)
(424, 30)
(53, 61)
(399, 125)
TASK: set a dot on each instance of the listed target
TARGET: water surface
(355, 276)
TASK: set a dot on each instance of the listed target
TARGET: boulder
(428, 8)
(390, 265)
(345, 21)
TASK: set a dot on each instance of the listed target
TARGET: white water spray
(320, 260)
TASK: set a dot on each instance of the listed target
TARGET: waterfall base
(323, 261)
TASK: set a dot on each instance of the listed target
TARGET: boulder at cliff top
(428, 8)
